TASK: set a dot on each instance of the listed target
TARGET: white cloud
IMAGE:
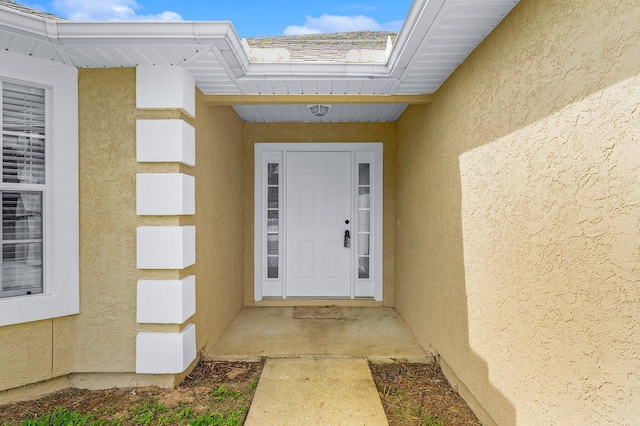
(108, 10)
(337, 23)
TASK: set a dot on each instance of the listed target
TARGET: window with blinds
(22, 188)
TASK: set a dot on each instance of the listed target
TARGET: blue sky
(250, 18)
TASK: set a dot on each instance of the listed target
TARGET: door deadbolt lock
(347, 238)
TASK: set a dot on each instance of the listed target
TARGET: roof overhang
(436, 37)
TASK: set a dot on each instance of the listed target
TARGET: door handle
(347, 239)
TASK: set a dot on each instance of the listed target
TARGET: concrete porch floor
(316, 372)
(374, 333)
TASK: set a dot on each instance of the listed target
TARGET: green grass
(222, 393)
(205, 401)
(232, 418)
(151, 412)
(63, 417)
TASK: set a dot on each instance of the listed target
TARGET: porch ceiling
(436, 37)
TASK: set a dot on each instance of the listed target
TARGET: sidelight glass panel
(364, 175)
(272, 221)
(272, 244)
(273, 172)
(272, 198)
(364, 197)
(363, 267)
(364, 221)
(363, 244)
(272, 267)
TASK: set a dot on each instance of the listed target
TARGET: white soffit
(437, 36)
(337, 113)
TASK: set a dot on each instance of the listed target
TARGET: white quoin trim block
(165, 87)
(165, 353)
(166, 301)
(165, 194)
(165, 141)
(166, 247)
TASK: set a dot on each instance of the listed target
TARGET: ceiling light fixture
(319, 110)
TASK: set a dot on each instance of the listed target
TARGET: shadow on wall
(549, 222)
(431, 293)
(516, 229)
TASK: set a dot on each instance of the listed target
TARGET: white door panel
(318, 204)
(304, 193)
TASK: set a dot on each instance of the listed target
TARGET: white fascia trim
(21, 23)
(278, 71)
(142, 34)
(67, 33)
(423, 16)
(205, 33)
(418, 23)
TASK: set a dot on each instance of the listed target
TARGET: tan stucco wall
(219, 220)
(105, 332)
(106, 328)
(34, 352)
(322, 132)
(517, 246)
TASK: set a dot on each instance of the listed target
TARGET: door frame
(361, 152)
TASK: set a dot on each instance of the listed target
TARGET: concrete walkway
(316, 391)
(316, 371)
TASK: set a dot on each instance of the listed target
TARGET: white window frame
(60, 296)
(362, 152)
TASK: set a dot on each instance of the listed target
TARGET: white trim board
(61, 293)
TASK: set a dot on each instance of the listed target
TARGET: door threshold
(304, 301)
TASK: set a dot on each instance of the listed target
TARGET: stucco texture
(517, 242)
(219, 220)
(105, 331)
(106, 327)
(322, 132)
(36, 351)
(105, 334)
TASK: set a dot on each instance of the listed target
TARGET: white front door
(318, 212)
(305, 192)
